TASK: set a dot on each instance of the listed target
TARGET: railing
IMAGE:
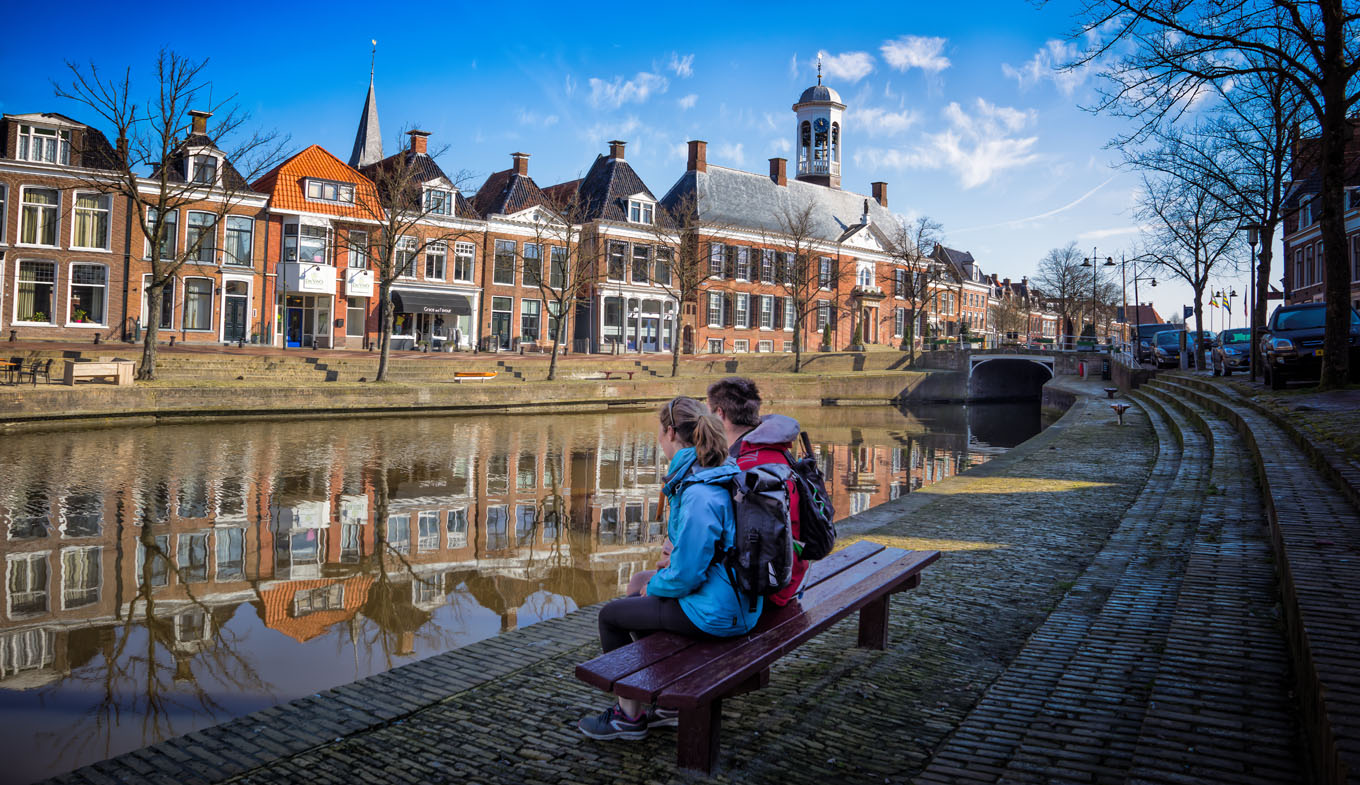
(820, 167)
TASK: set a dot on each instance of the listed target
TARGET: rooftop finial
(819, 68)
(373, 61)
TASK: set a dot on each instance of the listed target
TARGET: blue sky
(958, 108)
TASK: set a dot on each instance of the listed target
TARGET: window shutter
(778, 312)
(729, 310)
(730, 262)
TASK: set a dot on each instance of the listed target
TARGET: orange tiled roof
(278, 602)
(284, 184)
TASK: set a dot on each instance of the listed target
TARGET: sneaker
(612, 724)
(659, 717)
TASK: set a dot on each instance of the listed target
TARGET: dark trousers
(624, 620)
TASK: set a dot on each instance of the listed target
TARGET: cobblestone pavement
(1054, 641)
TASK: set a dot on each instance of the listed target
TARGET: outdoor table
(12, 369)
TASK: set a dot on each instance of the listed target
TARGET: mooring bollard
(1119, 409)
(1110, 391)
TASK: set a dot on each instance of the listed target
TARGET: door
(500, 328)
(649, 334)
(234, 319)
(293, 328)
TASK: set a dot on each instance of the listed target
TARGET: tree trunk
(1199, 328)
(798, 322)
(154, 295)
(385, 328)
(557, 342)
(675, 346)
(1258, 316)
(1335, 133)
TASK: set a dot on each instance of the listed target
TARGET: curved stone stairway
(1167, 661)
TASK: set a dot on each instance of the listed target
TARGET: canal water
(163, 579)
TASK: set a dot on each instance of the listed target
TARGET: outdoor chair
(39, 368)
(14, 370)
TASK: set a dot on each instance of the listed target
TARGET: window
(743, 316)
(503, 265)
(240, 240)
(766, 265)
(90, 227)
(356, 313)
(788, 346)
(38, 221)
(398, 533)
(4, 209)
(1298, 268)
(899, 321)
(463, 257)
(436, 261)
(231, 554)
(404, 259)
(789, 316)
(497, 519)
(533, 264)
(765, 346)
(741, 345)
(715, 303)
(27, 584)
(715, 260)
(159, 554)
(526, 472)
(1309, 265)
(615, 261)
(715, 345)
(530, 312)
(205, 169)
(640, 212)
(88, 296)
(823, 314)
(1355, 256)
(554, 313)
(500, 320)
(427, 524)
(663, 266)
(787, 268)
(200, 237)
(743, 263)
(642, 263)
(438, 202)
(306, 243)
(457, 526)
(328, 191)
(44, 145)
(198, 298)
(824, 272)
(192, 558)
(37, 292)
(526, 520)
(864, 277)
(169, 233)
(167, 302)
(767, 311)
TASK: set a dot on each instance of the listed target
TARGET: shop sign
(359, 283)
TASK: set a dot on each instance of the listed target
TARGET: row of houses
(1304, 269)
(284, 259)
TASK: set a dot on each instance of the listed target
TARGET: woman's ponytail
(698, 428)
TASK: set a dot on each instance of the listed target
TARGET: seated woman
(689, 595)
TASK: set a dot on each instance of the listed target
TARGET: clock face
(820, 124)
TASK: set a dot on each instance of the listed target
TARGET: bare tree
(683, 235)
(917, 274)
(1067, 285)
(1010, 315)
(1165, 55)
(1192, 235)
(158, 136)
(803, 270)
(571, 267)
(410, 208)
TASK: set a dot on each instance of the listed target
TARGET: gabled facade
(1304, 269)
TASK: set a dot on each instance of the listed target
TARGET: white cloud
(781, 145)
(617, 92)
(688, 101)
(598, 133)
(731, 153)
(1047, 64)
(976, 146)
(527, 117)
(1038, 217)
(793, 66)
(850, 66)
(570, 86)
(682, 67)
(875, 121)
(916, 51)
(1101, 234)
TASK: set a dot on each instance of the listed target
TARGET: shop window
(38, 220)
(503, 264)
(90, 223)
(240, 240)
(464, 257)
(356, 315)
(36, 292)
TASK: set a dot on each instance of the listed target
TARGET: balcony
(820, 167)
(309, 277)
(867, 292)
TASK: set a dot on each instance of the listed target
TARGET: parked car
(1143, 341)
(1166, 348)
(1291, 347)
(1233, 352)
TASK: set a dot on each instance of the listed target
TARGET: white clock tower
(818, 135)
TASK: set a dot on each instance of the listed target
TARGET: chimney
(1006, 282)
(880, 192)
(200, 121)
(419, 141)
(521, 163)
(779, 171)
(864, 217)
(616, 150)
(698, 156)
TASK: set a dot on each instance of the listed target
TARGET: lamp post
(1232, 295)
(1253, 236)
(1095, 266)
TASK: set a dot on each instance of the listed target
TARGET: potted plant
(826, 337)
(857, 340)
(79, 316)
(39, 316)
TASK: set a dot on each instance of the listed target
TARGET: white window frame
(356, 249)
(641, 211)
(189, 226)
(458, 251)
(56, 279)
(62, 149)
(106, 201)
(439, 249)
(444, 205)
(82, 552)
(227, 258)
(741, 346)
(767, 265)
(10, 565)
(764, 346)
(824, 281)
(174, 238)
(56, 213)
(4, 211)
(790, 315)
(715, 301)
(742, 266)
(767, 312)
(184, 310)
(405, 244)
(343, 192)
(715, 349)
(741, 315)
(196, 165)
(717, 261)
(71, 284)
(173, 286)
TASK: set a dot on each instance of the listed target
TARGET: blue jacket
(701, 518)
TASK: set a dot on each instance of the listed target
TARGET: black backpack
(816, 516)
(760, 561)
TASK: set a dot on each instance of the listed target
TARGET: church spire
(368, 139)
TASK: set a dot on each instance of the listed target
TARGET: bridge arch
(1008, 377)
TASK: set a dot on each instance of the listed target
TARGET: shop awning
(430, 302)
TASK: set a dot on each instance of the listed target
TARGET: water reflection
(164, 579)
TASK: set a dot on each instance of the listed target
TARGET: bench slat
(608, 668)
(647, 684)
(719, 675)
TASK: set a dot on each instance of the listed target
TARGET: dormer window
(204, 169)
(329, 191)
(44, 145)
(438, 201)
(640, 212)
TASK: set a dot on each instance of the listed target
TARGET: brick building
(1304, 273)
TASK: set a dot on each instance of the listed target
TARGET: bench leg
(697, 745)
(873, 624)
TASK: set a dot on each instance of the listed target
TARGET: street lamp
(1253, 236)
(1095, 266)
(1232, 295)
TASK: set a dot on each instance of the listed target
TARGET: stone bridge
(998, 375)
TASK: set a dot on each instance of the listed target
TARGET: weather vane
(819, 66)
(373, 60)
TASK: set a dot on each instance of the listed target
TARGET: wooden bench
(610, 374)
(694, 676)
(120, 371)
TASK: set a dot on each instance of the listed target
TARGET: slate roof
(1308, 175)
(368, 138)
(284, 183)
(819, 92)
(731, 197)
(604, 191)
(426, 169)
(94, 152)
(231, 178)
(506, 192)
